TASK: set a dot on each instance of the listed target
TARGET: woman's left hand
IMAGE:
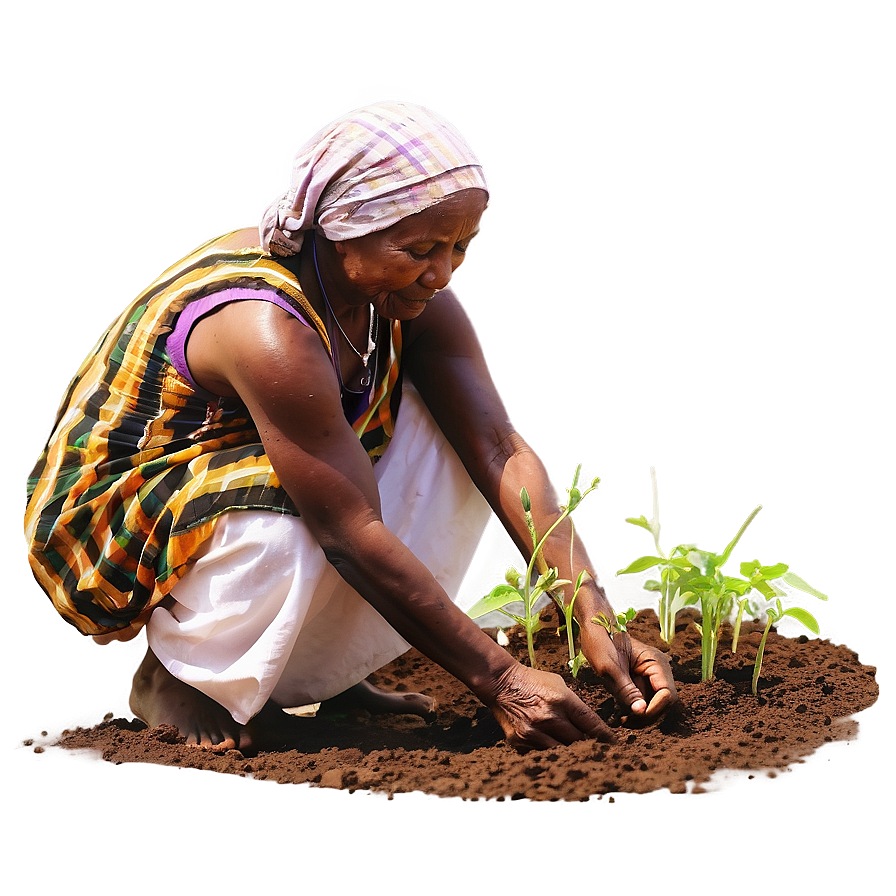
(639, 677)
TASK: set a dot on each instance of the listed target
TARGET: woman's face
(399, 269)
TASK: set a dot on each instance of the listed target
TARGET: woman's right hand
(536, 711)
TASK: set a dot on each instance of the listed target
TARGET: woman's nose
(438, 274)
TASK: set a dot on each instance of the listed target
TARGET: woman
(253, 461)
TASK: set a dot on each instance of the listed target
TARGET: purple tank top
(353, 403)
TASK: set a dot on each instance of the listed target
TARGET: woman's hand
(639, 677)
(537, 711)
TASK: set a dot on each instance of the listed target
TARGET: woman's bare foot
(379, 702)
(158, 698)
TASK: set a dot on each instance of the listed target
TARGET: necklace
(374, 319)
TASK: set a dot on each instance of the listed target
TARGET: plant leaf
(731, 544)
(577, 663)
(682, 550)
(498, 598)
(767, 589)
(737, 586)
(640, 565)
(805, 617)
(641, 521)
(779, 592)
(706, 562)
(796, 582)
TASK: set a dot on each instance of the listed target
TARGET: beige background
(691, 230)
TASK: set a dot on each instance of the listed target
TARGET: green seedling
(691, 576)
(518, 587)
(778, 611)
(618, 624)
(673, 569)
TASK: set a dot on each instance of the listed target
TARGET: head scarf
(366, 171)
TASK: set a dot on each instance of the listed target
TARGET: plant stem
(757, 666)
(737, 623)
(537, 559)
(705, 639)
(530, 643)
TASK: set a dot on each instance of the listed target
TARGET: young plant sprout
(618, 624)
(778, 612)
(673, 569)
(691, 576)
(518, 587)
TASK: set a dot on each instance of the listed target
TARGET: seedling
(673, 569)
(618, 624)
(691, 576)
(778, 611)
(518, 588)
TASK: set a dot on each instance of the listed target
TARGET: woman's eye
(418, 253)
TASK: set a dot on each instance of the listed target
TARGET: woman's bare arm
(446, 364)
(279, 368)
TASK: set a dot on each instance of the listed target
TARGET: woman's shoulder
(237, 240)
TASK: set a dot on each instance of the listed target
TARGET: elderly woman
(276, 458)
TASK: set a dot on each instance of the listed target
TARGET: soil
(808, 691)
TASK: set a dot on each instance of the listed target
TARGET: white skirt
(262, 615)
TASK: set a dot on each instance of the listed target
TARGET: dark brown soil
(808, 691)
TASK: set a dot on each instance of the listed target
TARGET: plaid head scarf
(366, 171)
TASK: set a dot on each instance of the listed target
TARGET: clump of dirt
(808, 691)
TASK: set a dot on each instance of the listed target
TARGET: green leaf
(705, 561)
(681, 563)
(796, 582)
(767, 589)
(681, 600)
(601, 619)
(653, 585)
(577, 663)
(731, 544)
(498, 598)
(624, 618)
(640, 565)
(805, 617)
(700, 583)
(575, 497)
(524, 498)
(641, 521)
(737, 586)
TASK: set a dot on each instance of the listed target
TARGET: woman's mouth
(418, 299)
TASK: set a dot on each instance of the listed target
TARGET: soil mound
(808, 691)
